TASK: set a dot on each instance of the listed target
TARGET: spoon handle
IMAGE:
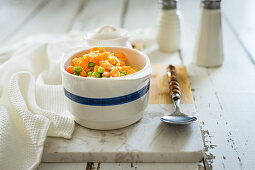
(174, 86)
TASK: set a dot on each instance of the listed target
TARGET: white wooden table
(224, 97)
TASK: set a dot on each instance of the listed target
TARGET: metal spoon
(177, 117)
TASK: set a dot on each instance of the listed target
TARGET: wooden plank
(239, 16)
(141, 14)
(98, 13)
(159, 92)
(120, 166)
(14, 14)
(53, 18)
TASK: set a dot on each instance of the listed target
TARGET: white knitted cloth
(31, 99)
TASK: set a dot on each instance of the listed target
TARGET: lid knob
(106, 29)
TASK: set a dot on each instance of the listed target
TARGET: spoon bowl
(177, 117)
(182, 120)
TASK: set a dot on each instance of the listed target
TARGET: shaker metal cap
(168, 4)
(211, 4)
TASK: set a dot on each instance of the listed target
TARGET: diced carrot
(126, 68)
(119, 68)
(106, 73)
(70, 69)
(96, 68)
(85, 57)
(97, 59)
(91, 58)
(113, 60)
(76, 61)
(131, 71)
(83, 73)
(105, 55)
(121, 56)
(88, 69)
(94, 49)
(106, 65)
(122, 63)
(84, 63)
(101, 50)
(115, 72)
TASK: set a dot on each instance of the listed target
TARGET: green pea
(96, 74)
(77, 74)
(91, 64)
(104, 77)
(90, 74)
(100, 70)
(77, 69)
(123, 72)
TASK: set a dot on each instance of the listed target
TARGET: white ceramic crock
(108, 103)
(108, 35)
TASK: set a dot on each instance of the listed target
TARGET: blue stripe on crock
(108, 101)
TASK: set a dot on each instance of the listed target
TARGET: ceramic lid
(106, 32)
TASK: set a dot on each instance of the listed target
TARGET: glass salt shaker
(209, 48)
(169, 26)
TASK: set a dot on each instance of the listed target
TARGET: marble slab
(148, 140)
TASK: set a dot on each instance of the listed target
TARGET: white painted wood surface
(224, 96)
(240, 17)
(88, 18)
